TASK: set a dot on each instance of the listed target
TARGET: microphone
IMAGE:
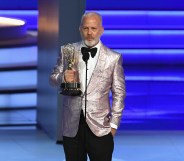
(85, 55)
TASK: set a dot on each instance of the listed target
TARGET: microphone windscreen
(85, 57)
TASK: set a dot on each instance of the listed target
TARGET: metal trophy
(69, 58)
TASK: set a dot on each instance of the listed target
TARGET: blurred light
(151, 51)
(18, 79)
(154, 78)
(18, 100)
(22, 55)
(144, 32)
(10, 22)
(129, 12)
(19, 12)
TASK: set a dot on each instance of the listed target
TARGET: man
(93, 136)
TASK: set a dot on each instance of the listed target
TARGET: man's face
(91, 30)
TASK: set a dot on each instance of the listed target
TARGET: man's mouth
(89, 39)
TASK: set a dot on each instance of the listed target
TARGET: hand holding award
(71, 86)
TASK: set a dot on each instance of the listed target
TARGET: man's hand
(113, 131)
(69, 76)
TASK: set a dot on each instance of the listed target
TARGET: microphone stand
(86, 90)
(85, 58)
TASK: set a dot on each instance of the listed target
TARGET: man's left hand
(113, 131)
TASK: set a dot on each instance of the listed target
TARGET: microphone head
(85, 56)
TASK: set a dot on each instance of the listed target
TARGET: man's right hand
(69, 76)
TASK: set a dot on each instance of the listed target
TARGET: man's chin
(90, 43)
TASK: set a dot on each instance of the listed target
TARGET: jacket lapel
(98, 70)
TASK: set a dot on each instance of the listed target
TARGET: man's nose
(89, 32)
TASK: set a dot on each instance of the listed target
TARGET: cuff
(60, 79)
(113, 126)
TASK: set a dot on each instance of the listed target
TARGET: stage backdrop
(150, 36)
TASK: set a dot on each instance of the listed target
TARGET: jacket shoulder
(74, 44)
(111, 52)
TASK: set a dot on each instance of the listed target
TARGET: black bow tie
(85, 50)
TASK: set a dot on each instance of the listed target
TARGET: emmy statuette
(70, 88)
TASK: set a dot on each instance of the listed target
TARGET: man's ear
(79, 28)
(102, 30)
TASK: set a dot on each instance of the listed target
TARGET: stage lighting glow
(4, 21)
(155, 78)
(15, 28)
(144, 32)
(151, 51)
(140, 12)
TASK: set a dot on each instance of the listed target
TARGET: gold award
(70, 88)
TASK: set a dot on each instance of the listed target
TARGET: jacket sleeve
(57, 72)
(118, 92)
